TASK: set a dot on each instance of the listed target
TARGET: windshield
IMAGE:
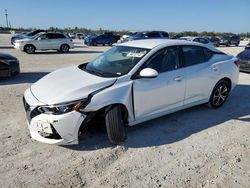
(115, 62)
(35, 36)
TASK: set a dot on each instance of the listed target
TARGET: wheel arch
(64, 44)
(228, 80)
(29, 45)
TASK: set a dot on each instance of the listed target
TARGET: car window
(153, 35)
(203, 41)
(193, 55)
(44, 36)
(208, 54)
(165, 60)
(164, 34)
(196, 40)
(55, 36)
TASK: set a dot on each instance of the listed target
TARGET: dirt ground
(197, 147)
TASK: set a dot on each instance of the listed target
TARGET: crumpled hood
(68, 84)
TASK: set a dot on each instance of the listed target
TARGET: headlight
(4, 61)
(63, 108)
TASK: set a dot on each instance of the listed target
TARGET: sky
(133, 15)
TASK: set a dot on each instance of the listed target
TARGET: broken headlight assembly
(64, 107)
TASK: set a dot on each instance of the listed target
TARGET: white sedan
(130, 83)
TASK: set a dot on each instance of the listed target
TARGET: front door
(153, 96)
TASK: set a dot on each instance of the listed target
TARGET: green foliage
(100, 31)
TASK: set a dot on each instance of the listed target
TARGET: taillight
(237, 63)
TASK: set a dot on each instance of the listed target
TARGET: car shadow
(177, 126)
(23, 78)
(70, 52)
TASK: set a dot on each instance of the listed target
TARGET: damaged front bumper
(60, 129)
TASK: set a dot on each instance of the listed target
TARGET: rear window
(164, 34)
(153, 35)
(55, 36)
(208, 54)
(193, 55)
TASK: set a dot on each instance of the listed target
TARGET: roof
(152, 43)
(189, 38)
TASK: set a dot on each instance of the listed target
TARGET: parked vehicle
(198, 39)
(130, 83)
(147, 35)
(229, 40)
(79, 35)
(176, 36)
(215, 41)
(9, 65)
(244, 59)
(25, 35)
(45, 41)
(101, 39)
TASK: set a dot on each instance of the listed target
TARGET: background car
(25, 35)
(230, 40)
(101, 39)
(244, 60)
(45, 41)
(9, 65)
(147, 35)
(198, 39)
(79, 35)
(215, 41)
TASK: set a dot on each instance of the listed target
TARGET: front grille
(245, 64)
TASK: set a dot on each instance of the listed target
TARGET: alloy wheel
(220, 95)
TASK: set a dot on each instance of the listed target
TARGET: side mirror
(148, 73)
(39, 38)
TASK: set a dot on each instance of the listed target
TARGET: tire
(219, 95)
(29, 49)
(64, 48)
(115, 125)
(110, 43)
(228, 44)
(237, 44)
(94, 44)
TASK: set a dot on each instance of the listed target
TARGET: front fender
(120, 93)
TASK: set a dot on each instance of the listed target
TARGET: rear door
(201, 73)
(57, 39)
(165, 92)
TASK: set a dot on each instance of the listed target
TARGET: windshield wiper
(95, 72)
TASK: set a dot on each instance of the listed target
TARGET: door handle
(214, 68)
(178, 78)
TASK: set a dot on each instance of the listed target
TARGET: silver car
(45, 41)
(130, 83)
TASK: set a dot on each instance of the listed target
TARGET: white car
(198, 39)
(130, 83)
(45, 41)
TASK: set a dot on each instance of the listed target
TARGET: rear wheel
(64, 48)
(219, 94)
(29, 49)
(115, 125)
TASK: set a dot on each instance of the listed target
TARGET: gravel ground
(197, 147)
